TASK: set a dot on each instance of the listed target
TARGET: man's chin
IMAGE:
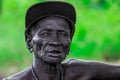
(54, 60)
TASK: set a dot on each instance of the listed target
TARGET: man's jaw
(52, 57)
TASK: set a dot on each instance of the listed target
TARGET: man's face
(51, 39)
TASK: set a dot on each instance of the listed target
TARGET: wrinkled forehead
(52, 22)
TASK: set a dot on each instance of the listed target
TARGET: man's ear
(29, 42)
(29, 32)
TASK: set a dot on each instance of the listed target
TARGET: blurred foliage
(0, 6)
(97, 33)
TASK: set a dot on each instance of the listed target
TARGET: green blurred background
(97, 35)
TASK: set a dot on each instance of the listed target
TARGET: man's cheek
(67, 47)
(40, 45)
(37, 45)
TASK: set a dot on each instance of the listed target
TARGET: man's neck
(44, 70)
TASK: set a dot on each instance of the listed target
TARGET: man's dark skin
(50, 42)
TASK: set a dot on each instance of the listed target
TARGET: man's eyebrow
(45, 30)
(62, 31)
(52, 30)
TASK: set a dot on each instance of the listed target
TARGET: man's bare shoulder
(23, 75)
(80, 62)
(80, 68)
(78, 65)
(85, 70)
(75, 62)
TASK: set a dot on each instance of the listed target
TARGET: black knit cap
(50, 8)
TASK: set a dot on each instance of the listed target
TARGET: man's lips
(54, 53)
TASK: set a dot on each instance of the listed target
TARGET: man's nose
(55, 41)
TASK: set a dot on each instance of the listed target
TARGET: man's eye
(64, 33)
(43, 33)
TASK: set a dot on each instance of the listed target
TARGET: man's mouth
(54, 53)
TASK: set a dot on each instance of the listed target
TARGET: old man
(49, 30)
